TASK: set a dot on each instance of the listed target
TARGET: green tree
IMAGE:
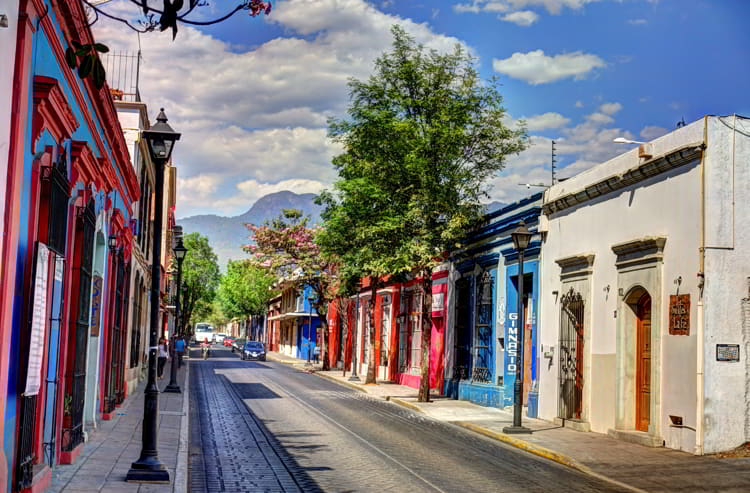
(200, 278)
(423, 135)
(245, 290)
(286, 247)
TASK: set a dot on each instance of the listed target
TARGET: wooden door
(643, 365)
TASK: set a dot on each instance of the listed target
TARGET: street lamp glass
(521, 236)
(112, 242)
(160, 139)
(179, 250)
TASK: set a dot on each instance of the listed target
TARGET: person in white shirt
(163, 357)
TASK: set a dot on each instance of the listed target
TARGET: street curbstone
(341, 382)
(406, 404)
(544, 452)
(181, 470)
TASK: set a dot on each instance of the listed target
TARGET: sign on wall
(679, 314)
(438, 302)
(727, 352)
(96, 306)
(38, 321)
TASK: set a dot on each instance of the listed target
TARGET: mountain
(493, 206)
(227, 234)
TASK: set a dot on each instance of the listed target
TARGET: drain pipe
(700, 356)
(746, 341)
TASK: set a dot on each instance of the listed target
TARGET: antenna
(553, 162)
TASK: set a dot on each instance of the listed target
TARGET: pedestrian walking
(163, 356)
(180, 348)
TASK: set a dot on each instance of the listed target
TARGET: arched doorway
(643, 363)
(639, 328)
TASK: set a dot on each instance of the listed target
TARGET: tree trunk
(424, 384)
(372, 369)
(323, 317)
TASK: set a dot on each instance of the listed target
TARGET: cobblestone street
(267, 427)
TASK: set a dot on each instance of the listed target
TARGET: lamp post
(353, 335)
(148, 468)
(309, 328)
(521, 237)
(179, 253)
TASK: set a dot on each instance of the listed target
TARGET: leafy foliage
(286, 247)
(168, 15)
(86, 59)
(245, 290)
(423, 136)
(200, 278)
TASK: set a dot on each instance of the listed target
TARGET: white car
(219, 338)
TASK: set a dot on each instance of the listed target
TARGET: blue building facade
(482, 346)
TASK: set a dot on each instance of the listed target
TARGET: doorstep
(638, 437)
(41, 479)
(573, 424)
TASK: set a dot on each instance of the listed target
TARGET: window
(135, 334)
(366, 330)
(403, 334)
(385, 330)
(483, 344)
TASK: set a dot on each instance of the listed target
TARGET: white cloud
(599, 118)
(579, 104)
(522, 18)
(537, 68)
(651, 132)
(610, 108)
(554, 7)
(637, 22)
(545, 121)
(259, 113)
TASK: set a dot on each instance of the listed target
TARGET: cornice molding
(652, 167)
(51, 111)
(642, 250)
(85, 164)
(576, 265)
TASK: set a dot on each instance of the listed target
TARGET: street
(263, 426)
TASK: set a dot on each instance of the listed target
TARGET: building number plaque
(679, 314)
(727, 352)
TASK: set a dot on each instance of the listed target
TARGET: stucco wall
(667, 205)
(8, 57)
(727, 267)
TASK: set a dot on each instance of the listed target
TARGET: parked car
(228, 341)
(219, 337)
(254, 350)
(238, 344)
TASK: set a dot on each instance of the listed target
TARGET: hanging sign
(679, 314)
(38, 321)
(96, 306)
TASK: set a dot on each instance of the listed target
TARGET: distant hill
(493, 206)
(227, 234)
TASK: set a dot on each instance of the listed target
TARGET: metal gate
(483, 363)
(110, 395)
(463, 330)
(72, 433)
(571, 355)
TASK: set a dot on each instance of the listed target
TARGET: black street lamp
(179, 253)
(309, 328)
(353, 333)
(521, 238)
(148, 468)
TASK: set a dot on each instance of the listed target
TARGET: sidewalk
(115, 444)
(634, 467)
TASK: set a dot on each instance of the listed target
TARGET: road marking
(355, 435)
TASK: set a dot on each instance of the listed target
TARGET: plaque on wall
(727, 352)
(679, 314)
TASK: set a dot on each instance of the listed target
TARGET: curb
(406, 404)
(341, 382)
(180, 484)
(543, 452)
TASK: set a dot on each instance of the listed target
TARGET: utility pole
(553, 162)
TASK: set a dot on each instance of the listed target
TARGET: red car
(228, 341)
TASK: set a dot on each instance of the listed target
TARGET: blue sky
(251, 95)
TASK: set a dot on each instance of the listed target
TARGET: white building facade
(645, 267)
